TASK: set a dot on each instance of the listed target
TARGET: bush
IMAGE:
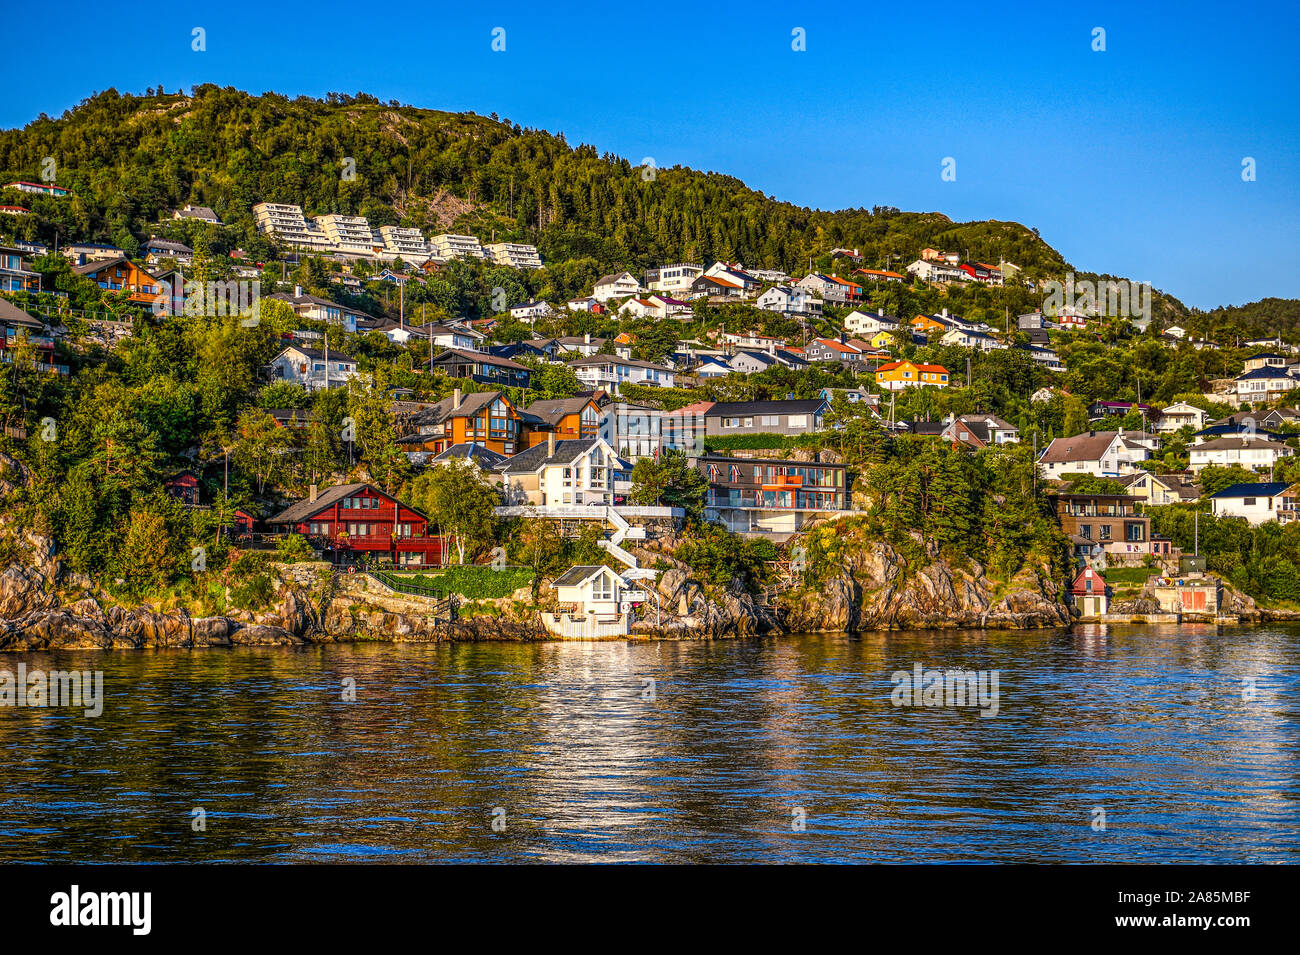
(294, 549)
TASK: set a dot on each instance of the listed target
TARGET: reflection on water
(591, 760)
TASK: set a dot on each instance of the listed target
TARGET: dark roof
(576, 575)
(470, 404)
(797, 406)
(1267, 371)
(538, 456)
(304, 509)
(1263, 489)
(1237, 443)
(485, 458)
(925, 427)
(1080, 447)
(317, 300)
(317, 353)
(551, 410)
(480, 358)
(11, 314)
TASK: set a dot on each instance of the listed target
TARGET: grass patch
(472, 581)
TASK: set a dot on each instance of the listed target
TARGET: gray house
(768, 417)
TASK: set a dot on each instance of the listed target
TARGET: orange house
(566, 418)
(117, 274)
(485, 418)
(897, 375)
(926, 324)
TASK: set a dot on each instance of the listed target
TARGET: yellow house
(882, 340)
(897, 375)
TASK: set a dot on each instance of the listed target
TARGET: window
(1248, 502)
(798, 421)
(1085, 531)
(1105, 532)
(602, 588)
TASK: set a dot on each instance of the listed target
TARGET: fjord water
(581, 757)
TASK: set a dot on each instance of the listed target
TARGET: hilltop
(129, 159)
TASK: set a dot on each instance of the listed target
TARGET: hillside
(130, 159)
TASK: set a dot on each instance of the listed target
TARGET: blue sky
(1128, 161)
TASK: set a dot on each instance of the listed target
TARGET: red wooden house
(350, 520)
(184, 487)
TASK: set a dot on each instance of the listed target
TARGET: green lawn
(475, 581)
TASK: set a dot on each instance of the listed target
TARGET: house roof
(305, 299)
(551, 410)
(575, 576)
(1238, 443)
(539, 455)
(932, 369)
(481, 358)
(612, 278)
(295, 513)
(470, 404)
(485, 458)
(614, 359)
(1081, 447)
(836, 345)
(334, 354)
(795, 406)
(11, 314)
(1267, 371)
(1262, 489)
(90, 268)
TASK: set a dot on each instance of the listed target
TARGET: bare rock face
(878, 589)
(23, 591)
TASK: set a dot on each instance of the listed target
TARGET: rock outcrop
(877, 588)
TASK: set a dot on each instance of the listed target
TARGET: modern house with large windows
(771, 498)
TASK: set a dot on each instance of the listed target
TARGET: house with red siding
(351, 520)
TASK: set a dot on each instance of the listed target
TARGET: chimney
(550, 444)
(586, 338)
(1092, 434)
(944, 313)
(311, 494)
(297, 291)
(455, 399)
(880, 312)
(841, 336)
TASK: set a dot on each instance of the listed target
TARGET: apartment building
(286, 223)
(400, 241)
(768, 497)
(516, 255)
(675, 279)
(350, 235)
(447, 246)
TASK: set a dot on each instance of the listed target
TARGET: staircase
(625, 531)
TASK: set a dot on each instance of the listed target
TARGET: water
(1148, 724)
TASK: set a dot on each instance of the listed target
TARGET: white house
(609, 372)
(1103, 453)
(1254, 452)
(591, 604)
(789, 298)
(531, 311)
(1263, 384)
(576, 471)
(313, 368)
(935, 271)
(713, 368)
(1179, 415)
(1257, 503)
(867, 324)
(618, 285)
(970, 338)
